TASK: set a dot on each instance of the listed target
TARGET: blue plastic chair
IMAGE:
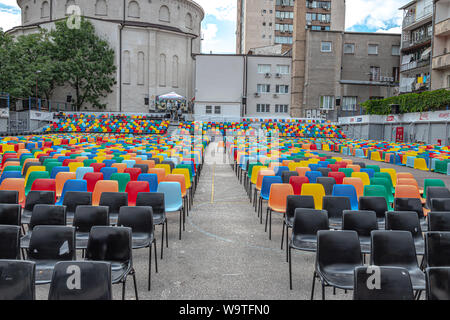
(279, 170)
(57, 170)
(346, 190)
(10, 174)
(323, 164)
(152, 180)
(107, 172)
(313, 167)
(142, 156)
(72, 185)
(267, 183)
(129, 163)
(109, 162)
(62, 158)
(370, 172)
(81, 171)
(313, 175)
(173, 199)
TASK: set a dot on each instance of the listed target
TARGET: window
(164, 14)
(281, 108)
(325, 46)
(263, 108)
(264, 68)
(448, 81)
(396, 74)
(282, 89)
(375, 73)
(283, 69)
(327, 102)
(349, 103)
(101, 8)
(188, 21)
(217, 110)
(208, 110)
(349, 48)
(373, 49)
(395, 50)
(134, 10)
(45, 10)
(263, 88)
(283, 40)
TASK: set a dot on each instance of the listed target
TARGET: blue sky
(219, 25)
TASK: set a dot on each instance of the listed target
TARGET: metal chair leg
(162, 241)
(167, 234)
(124, 281)
(282, 234)
(156, 258)
(135, 285)
(149, 266)
(313, 284)
(290, 268)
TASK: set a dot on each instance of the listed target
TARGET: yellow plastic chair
(317, 191)
(392, 173)
(421, 164)
(32, 169)
(363, 176)
(73, 166)
(166, 167)
(375, 156)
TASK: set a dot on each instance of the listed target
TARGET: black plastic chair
(170, 163)
(363, 222)
(440, 204)
(157, 202)
(157, 160)
(327, 183)
(17, 280)
(335, 206)
(114, 201)
(338, 254)
(113, 245)
(407, 221)
(361, 164)
(34, 198)
(293, 203)
(140, 220)
(377, 204)
(49, 245)
(10, 214)
(28, 165)
(395, 284)
(439, 221)
(92, 281)
(9, 196)
(324, 172)
(85, 218)
(438, 283)
(307, 222)
(286, 175)
(44, 215)
(437, 249)
(411, 204)
(9, 242)
(436, 193)
(73, 199)
(397, 249)
(143, 167)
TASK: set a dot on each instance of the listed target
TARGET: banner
(4, 113)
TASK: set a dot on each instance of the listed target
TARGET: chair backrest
(134, 173)
(73, 186)
(73, 199)
(17, 280)
(10, 242)
(154, 200)
(177, 178)
(135, 187)
(338, 176)
(297, 182)
(438, 204)
(52, 243)
(267, 183)
(139, 219)
(160, 172)
(61, 179)
(438, 221)
(183, 171)
(122, 179)
(437, 248)
(431, 183)
(407, 191)
(10, 214)
(404, 220)
(92, 178)
(286, 175)
(295, 202)
(357, 183)
(317, 191)
(302, 171)
(409, 204)
(377, 204)
(114, 201)
(35, 175)
(313, 175)
(324, 171)
(278, 196)
(9, 196)
(349, 191)
(328, 184)
(393, 248)
(142, 167)
(98, 166)
(309, 222)
(101, 187)
(363, 222)
(335, 206)
(172, 194)
(88, 216)
(376, 191)
(107, 172)
(95, 281)
(395, 284)
(437, 284)
(47, 214)
(436, 193)
(110, 244)
(15, 184)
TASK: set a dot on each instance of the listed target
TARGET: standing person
(180, 113)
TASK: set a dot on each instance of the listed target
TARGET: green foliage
(411, 102)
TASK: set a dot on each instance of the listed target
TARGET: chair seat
(141, 240)
(420, 246)
(305, 243)
(174, 208)
(278, 210)
(118, 271)
(44, 271)
(339, 276)
(289, 221)
(25, 240)
(417, 278)
(82, 240)
(158, 218)
(335, 223)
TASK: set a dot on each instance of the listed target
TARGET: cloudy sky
(219, 25)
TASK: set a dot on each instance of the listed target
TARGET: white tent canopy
(171, 96)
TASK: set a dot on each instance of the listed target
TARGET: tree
(9, 66)
(85, 62)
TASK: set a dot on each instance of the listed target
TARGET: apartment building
(262, 23)
(416, 50)
(440, 77)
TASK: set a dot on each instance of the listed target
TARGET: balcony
(441, 62)
(442, 29)
(406, 45)
(420, 17)
(414, 65)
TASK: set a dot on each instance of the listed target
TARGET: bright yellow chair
(317, 191)
(73, 166)
(363, 176)
(392, 173)
(421, 164)
(166, 167)
(32, 169)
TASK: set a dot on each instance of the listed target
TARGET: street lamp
(37, 73)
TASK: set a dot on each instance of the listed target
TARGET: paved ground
(225, 253)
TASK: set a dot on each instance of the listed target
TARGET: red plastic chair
(92, 178)
(134, 173)
(133, 188)
(67, 161)
(342, 164)
(338, 176)
(297, 182)
(334, 167)
(44, 185)
(8, 156)
(98, 166)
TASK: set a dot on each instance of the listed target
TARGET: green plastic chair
(122, 179)
(374, 168)
(22, 159)
(13, 168)
(118, 159)
(87, 163)
(186, 166)
(34, 176)
(383, 182)
(377, 191)
(388, 177)
(431, 183)
(348, 171)
(47, 161)
(49, 167)
(332, 161)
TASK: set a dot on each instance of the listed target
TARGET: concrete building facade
(154, 42)
(440, 77)
(262, 23)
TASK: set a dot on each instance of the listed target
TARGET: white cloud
(391, 30)
(220, 9)
(9, 18)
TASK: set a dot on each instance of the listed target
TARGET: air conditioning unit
(257, 94)
(278, 75)
(275, 95)
(267, 75)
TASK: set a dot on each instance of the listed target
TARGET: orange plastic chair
(13, 184)
(261, 175)
(120, 167)
(150, 163)
(317, 191)
(11, 163)
(405, 175)
(347, 161)
(103, 186)
(356, 168)
(409, 181)
(61, 179)
(302, 171)
(408, 191)
(160, 172)
(278, 201)
(357, 183)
